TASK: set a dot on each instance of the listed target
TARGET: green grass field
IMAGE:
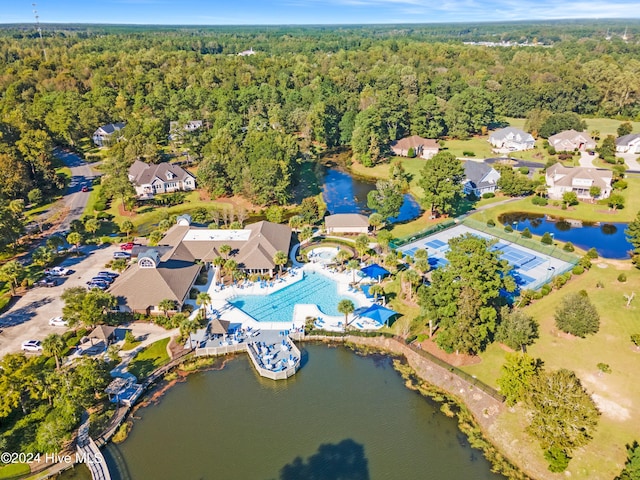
(14, 470)
(152, 357)
(616, 393)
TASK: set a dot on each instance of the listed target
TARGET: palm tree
(92, 225)
(218, 262)
(203, 299)
(375, 220)
(280, 259)
(127, 227)
(413, 278)
(75, 239)
(306, 233)
(296, 222)
(42, 256)
(362, 244)
(166, 304)
(346, 306)
(225, 250)
(11, 272)
(54, 242)
(229, 267)
(187, 327)
(375, 290)
(342, 256)
(353, 265)
(53, 346)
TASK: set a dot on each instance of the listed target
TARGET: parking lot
(28, 318)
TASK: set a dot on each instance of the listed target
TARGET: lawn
(616, 393)
(152, 357)
(14, 470)
(146, 217)
(606, 126)
(582, 211)
(411, 165)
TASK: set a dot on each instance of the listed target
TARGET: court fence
(399, 242)
(517, 239)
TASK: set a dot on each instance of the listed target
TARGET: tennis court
(539, 268)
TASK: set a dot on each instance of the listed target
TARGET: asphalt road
(75, 200)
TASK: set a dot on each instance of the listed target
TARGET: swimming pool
(314, 288)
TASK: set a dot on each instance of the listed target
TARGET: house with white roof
(165, 177)
(628, 143)
(561, 179)
(512, 139)
(176, 130)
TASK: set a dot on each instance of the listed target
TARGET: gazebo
(218, 327)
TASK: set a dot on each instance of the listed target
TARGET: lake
(345, 194)
(608, 239)
(340, 416)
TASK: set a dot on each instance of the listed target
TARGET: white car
(58, 322)
(32, 346)
(57, 271)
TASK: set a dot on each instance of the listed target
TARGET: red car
(127, 246)
(85, 188)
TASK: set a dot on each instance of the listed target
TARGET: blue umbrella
(377, 313)
(375, 271)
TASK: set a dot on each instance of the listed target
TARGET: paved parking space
(29, 318)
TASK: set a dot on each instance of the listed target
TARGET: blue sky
(256, 12)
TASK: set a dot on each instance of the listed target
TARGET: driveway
(586, 160)
(631, 160)
(75, 200)
(28, 318)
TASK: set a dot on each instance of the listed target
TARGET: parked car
(108, 274)
(32, 346)
(99, 286)
(58, 271)
(46, 282)
(128, 246)
(85, 188)
(58, 322)
(100, 278)
(125, 255)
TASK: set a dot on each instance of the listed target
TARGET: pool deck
(221, 306)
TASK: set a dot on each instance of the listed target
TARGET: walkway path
(586, 160)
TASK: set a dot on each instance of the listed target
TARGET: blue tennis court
(532, 264)
(436, 262)
(411, 252)
(522, 280)
(435, 244)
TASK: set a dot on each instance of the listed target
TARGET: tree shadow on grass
(342, 461)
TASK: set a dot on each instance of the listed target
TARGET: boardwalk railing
(90, 455)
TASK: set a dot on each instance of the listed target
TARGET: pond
(341, 416)
(608, 239)
(345, 194)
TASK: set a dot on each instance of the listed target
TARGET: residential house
(512, 139)
(150, 179)
(628, 143)
(247, 53)
(103, 135)
(190, 126)
(346, 223)
(422, 147)
(480, 178)
(570, 140)
(561, 179)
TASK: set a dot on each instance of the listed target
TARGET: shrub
(557, 458)
(622, 278)
(411, 153)
(552, 151)
(524, 170)
(100, 205)
(526, 233)
(541, 201)
(508, 228)
(546, 289)
(193, 293)
(547, 239)
(620, 185)
(599, 284)
(491, 223)
(468, 153)
(488, 195)
(635, 338)
(604, 367)
(592, 253)
(568, 247)
(577, 315)
(578, 270)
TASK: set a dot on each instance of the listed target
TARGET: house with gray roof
(480, 178)
(561, 179)
(571, 140)
(103, 136)
(422, 147)
(346, 223)
(511, 139)
(165, 177)
(177, 130)
(628, 143)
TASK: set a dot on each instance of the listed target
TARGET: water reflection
(343, 460)
(344, 194)
(608, 239)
